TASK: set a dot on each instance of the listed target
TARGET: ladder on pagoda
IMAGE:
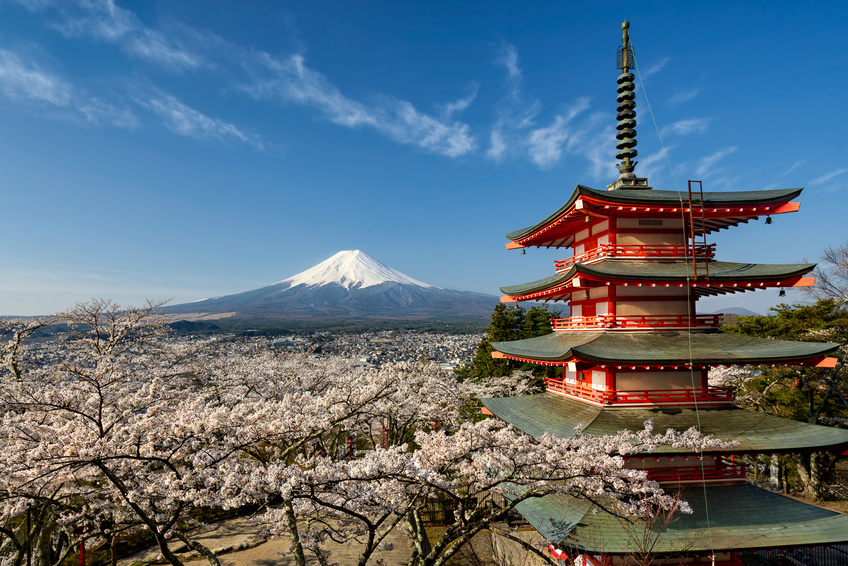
(698, 246)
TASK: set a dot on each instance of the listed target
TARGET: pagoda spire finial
(626, 135)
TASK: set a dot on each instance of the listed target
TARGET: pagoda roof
(722, 274)
(661, 348)
(722, 209)
(725, 518)
(755, 432)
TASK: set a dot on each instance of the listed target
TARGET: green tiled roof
(616, 269)
(661, 347)
(755, 432)
(740, 517)
(643, 197)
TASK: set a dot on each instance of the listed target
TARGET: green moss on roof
(755, 432)
(643, 197)
(741, 517)
(662, 348)
(620, 269)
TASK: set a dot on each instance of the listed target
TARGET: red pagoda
(633, 349)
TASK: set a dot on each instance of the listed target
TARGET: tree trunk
(199, 548)
(162, 543)
(809, 470)
(297, 548)
(774, 469)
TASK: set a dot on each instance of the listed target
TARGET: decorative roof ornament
(626, 134)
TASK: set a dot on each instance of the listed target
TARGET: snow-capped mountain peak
(351, 268)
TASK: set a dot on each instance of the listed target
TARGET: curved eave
(741, 517)
(662, 348)
(724, 277)
(722, 210)
(754, 432)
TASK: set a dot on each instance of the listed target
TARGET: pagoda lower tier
(729, 515)
(726, 521)
(755, 432)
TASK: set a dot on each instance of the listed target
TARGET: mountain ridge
(348, 285)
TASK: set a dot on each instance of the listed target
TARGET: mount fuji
(349, 285)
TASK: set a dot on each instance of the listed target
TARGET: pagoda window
(630, 231)
(655, 380)
(600, 227)
(652, 308)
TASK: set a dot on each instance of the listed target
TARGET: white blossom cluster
(129, 431)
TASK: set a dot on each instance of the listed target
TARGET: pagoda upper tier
(715, 211)
(724, 277)
(663, 349)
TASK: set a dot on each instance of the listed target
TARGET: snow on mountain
(348, 286)
(351, 269)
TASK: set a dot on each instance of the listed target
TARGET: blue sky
(187, 149)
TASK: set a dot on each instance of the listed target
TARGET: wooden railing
(723, 471)
(635, 321)
(650, 397)
(638, 251)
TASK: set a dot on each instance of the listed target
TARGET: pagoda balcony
(676, 397)
(638, 251)
(635, 322)
(724, 472)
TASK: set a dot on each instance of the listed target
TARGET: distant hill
(739, 311)
(349, 286)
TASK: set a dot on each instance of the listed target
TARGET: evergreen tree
(813, 395)
(511, 322)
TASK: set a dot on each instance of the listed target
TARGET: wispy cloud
(515, 115)
(184, 48)
(683, 96)
(24, 80)
(458, 106)
(686, 127)
(508, 57)
(545, 145)
(186, 121)
(795, 166)
(292, 81)
(828, 177)
(706, 165)
(655, 67)
(102, 20)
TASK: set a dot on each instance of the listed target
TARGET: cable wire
(688, 297)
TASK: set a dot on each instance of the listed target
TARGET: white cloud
(293, 81)
(24, 80)
(459, 106)
(686, 127)
(684, 96)
(545, 145)
(185, 121)
(104, 21)
(655, 67)
(514, 114)
(508, 57)
(705, 165)
(795, 166)
(828, 176)
(497, 146)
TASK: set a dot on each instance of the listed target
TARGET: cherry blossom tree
(121, 428)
